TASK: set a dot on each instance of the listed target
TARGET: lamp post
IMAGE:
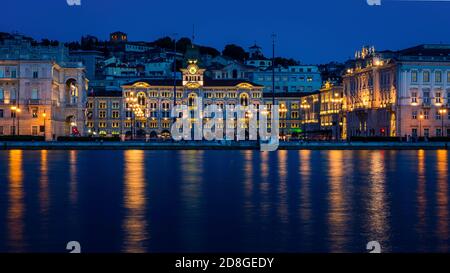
(442, 112)
(175, 73)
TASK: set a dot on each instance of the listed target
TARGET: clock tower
(193, 75)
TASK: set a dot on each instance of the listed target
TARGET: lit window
(414, 76)
(426, 76)
(414, 97)
(438, 76)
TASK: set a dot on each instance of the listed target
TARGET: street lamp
(442, 112)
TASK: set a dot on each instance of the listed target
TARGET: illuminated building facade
(289, 113)
(41, 98)
(148, 103)
(104, 113)
(403, 93)
(331, 116)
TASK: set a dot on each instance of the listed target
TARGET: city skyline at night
(312, 31)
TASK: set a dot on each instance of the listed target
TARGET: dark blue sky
(312, 31)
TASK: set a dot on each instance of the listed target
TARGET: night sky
(314, 31)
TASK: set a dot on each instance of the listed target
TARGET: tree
(285, 62)
(206, 50)
(235, 52)
(165, 42)
(183, 44)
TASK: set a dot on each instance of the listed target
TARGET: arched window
(141, 99)
(191, 100)
(244, 99)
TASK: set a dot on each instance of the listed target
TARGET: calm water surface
(224, 201)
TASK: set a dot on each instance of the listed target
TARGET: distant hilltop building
(118, 36)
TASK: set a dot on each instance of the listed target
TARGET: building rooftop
(289, 94)
(101, 92)
(207, 82)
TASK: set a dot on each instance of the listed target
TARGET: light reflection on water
(199, 201)
(338, 215)
(442, 198)
(378, 210)
(16, 208)
(135, 223)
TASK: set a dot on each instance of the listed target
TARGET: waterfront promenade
(203, 145)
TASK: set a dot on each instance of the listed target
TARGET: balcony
(34, 102)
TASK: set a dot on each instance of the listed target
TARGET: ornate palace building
(41, 94)
(147, 104)
(399, 93)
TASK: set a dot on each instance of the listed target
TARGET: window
(153, 124)
(294, 114)
(34, 94)
(34, 112)
(102, 105)
(102, 114)
(414, 114)
(438, 132)
(34, 130)
(256, 95)
(165, 106)
(426, 76)
(438, 76)
(1, 113)
(90, 124)
(115, 125)
(448, 77)
(438, 98)
(102, 125)
(115, 105)
(115, 114)
(414, 132)
(35, 74)
(414, 76)
(426, 132)
(2, 94)
(438, 115)
(426, 114)
(166, 125)
(1, 130)
(13, 130)
(414, 97)
(90, 105)
(426, 97)
(448, 132)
